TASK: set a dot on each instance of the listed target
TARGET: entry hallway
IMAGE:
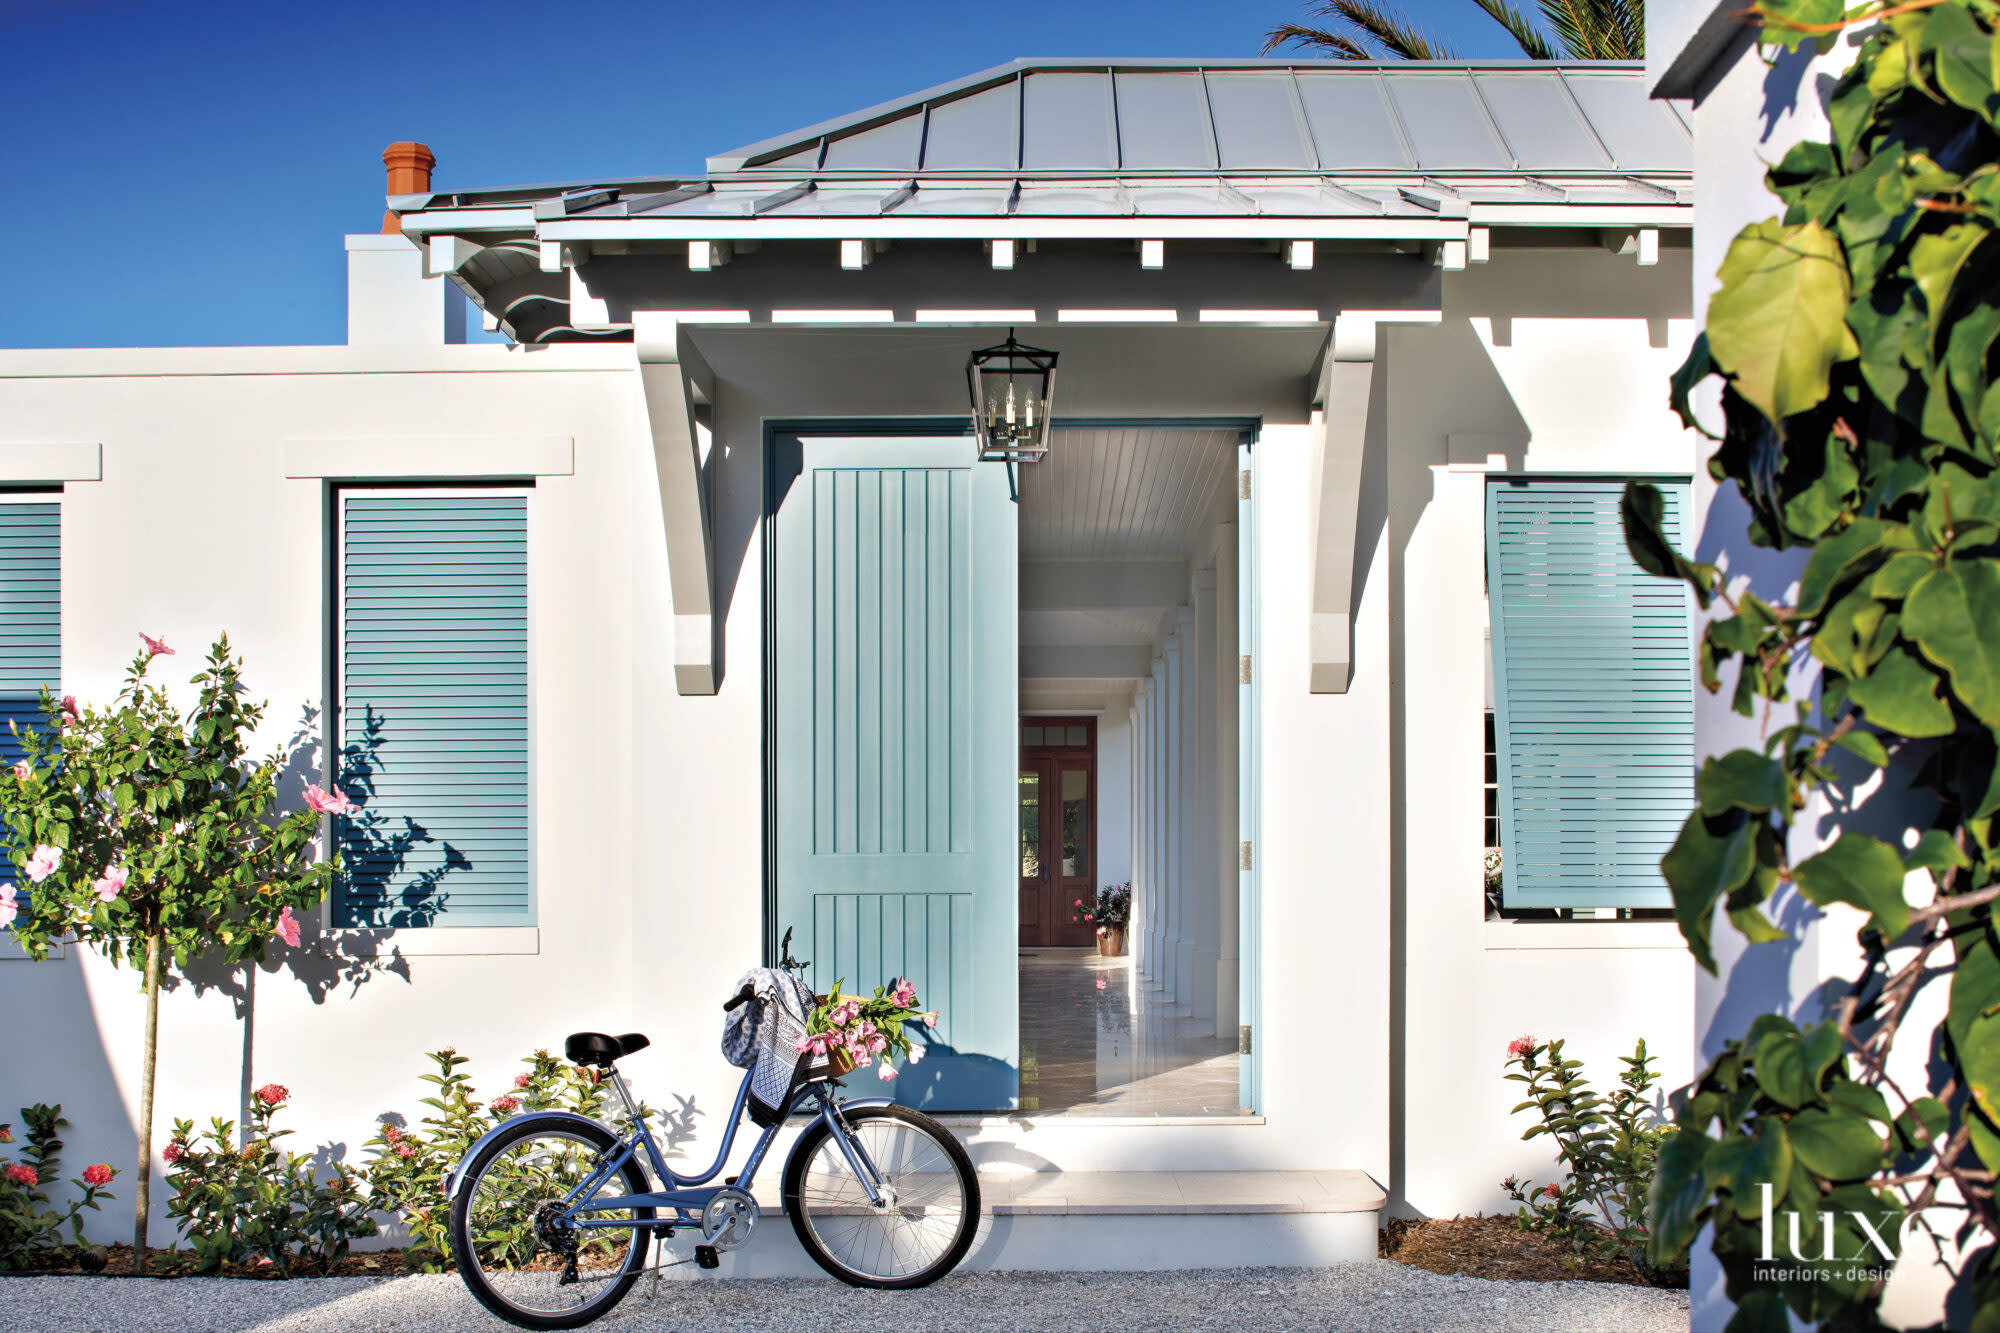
(1375, 1295)
(1089, 1047)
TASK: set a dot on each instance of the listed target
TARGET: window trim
(512, 938)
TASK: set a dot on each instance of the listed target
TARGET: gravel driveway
(1371, 1297)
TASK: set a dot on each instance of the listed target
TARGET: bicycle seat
(595, 1048)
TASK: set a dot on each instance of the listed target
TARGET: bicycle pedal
(729, 1180)
(706, 1256)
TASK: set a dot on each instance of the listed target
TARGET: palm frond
(1516, 23)
(1599, 29)
(1394, 34)
(1315, 39)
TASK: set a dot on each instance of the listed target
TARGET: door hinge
(1243, 1040)
(1243, 483)
(1243, 862)
(1243, 670)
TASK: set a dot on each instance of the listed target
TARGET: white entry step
(1124, 1221)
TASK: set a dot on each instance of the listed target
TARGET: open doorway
(1128, 771)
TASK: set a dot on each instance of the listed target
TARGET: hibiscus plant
(156, 837)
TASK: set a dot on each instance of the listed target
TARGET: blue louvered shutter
(433, 710)
(30, 625)
(1593, 696)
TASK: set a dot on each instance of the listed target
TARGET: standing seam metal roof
(1257, 116)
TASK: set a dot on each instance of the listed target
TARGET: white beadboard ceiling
(1126, 494)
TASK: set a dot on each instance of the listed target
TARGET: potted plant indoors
(1112, 911)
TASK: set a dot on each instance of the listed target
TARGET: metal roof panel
(1257, 123)
(1163, 122)
(980, 132)
(1540, 121)
(1352, 124)
(1066, 122)
(891, 146)
(1448, 129)
(1643, 135)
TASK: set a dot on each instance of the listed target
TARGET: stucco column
(1171, 974)
(1199, 828)
(1142, 826)
(1156, 822)
(1228, 684)
(1188, 864)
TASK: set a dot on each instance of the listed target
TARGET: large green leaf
(1860, 870)
(1710, 857)
(1901, 695)
(1837, 556)
(1836, 1145)
(1954, 615)
(1964, 55)
(1780, 1061)
(1777, 324)
(1936, 260)
(1744, 779)
(1765, 1160)
(1678, 1198)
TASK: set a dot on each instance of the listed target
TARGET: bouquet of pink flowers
(853, 1031)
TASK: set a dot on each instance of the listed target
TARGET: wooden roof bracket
(675, 379)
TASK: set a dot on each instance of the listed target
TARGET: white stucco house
(690, 619)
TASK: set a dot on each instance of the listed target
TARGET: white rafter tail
(1002, 253)
(1451, 256)
(856, 254)
(1299, 254)
(447, 254)
(1478, 245)
(1152, 254)
(551, 256)
(1649, 246)
(706, 255)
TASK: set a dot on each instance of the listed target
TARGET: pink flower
(930, 1019)
(69, 709)
(287, 928)
(23, 1174)
(905, 995)
(8, 910)
(99, 1174)
(156, 647)
(43, 863)
(505, 1105)
(111, 883)
(22, 772)
(174, 1151)
(885, 1071)
(405, 1150)
(390, 1133)
(324, 802)
(273, 1094)
(1551, 1191)
(523, 1080)
(6, 1133)
(916, 1054)
(1520, 1046)
(1100, 983)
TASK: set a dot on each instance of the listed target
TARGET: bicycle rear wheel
(930, 1200)
(515, 1241)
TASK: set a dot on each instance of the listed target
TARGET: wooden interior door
(1057, 816)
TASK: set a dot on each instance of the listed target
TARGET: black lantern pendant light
(1011, 385)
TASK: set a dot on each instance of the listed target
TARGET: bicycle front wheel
(528, 1250)
(929, 1199)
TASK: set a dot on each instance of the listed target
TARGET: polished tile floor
(1089, 1046)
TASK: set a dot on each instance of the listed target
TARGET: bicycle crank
(729, 1218)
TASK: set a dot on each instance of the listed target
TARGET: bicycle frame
(685, 1196)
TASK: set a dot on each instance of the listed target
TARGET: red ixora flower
(1551, 1191)
(390, 1133)
(504, 1105)
(274, 1094)
(6, 1133)
(405, 1150)
(523, 1080)
(23, 1174)
(174, 1151)
(1520, 1046)
(99, 1174)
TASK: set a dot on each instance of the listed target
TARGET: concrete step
(1120, 1221)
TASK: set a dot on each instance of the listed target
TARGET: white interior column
(1200, 943)
(1170, 818)
(1132, 831)
(1228, 682)
(1188, 865)
(1138, 934)
(1156, 822)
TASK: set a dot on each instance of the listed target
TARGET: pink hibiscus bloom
(9, 909)
(69, 709)
(325, 802)
(274, 1094)
(504, 1105)
(288, 928)
(22, 1174)
(1520, 1046)
(156, 647)
(111, 883)
(99, 1174)
(43, 863)
(22, 771)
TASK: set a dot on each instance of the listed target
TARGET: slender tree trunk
(145, 1174)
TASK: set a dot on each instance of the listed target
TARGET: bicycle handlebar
(743, 996)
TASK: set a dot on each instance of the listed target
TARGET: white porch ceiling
(1126, 494)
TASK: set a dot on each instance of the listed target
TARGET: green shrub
(30, 1227)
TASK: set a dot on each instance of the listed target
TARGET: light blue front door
(895, 677)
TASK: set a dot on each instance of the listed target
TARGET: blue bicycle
(552, 1212)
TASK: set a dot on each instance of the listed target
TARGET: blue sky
(181, 174)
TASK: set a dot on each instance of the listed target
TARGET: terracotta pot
(1111, 943)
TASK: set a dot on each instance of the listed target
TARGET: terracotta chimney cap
(409, 167)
